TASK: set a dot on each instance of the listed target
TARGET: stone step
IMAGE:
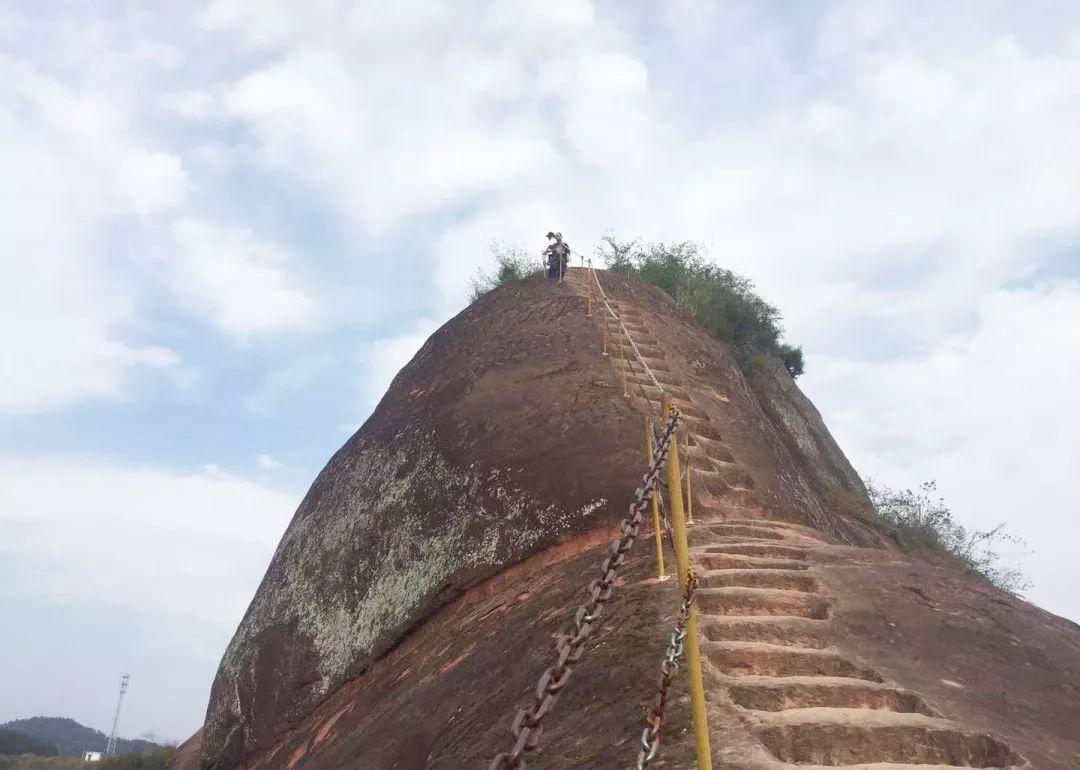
(767, 629)
(712, 452)
(726, 475)
(724, 529)
(842, 737)
(654, 393)
(786, 579)
(739, 659)
(713, 496)
(779, 525)
(657, 366)
(762, 601)
(770, 693)
(685, 408)
(714, 561)
(702, 429)
(759, 549)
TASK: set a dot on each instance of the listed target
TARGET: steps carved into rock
(842, 737)
(763, 659)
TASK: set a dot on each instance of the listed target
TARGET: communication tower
(110, 747)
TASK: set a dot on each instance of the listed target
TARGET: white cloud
(194, 103)
(144, 539)
(989, 414)
(380, 157)
(70, 165)
(561, 13)
(268, 463)
(240, 281)
(893, 142)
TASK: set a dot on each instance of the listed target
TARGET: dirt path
(779, 694)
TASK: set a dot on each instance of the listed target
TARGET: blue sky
(225, 225)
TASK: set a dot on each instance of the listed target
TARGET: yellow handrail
(682, 558)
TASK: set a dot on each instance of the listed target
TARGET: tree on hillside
(14, 742)
(71, 738)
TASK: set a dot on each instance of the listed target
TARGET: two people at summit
(558, 257)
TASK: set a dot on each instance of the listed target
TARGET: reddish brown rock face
(411, 604)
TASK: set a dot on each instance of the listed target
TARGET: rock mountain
(412, 602)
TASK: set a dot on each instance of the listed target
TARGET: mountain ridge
(70, 738)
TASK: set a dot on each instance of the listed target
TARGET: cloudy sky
(224, 225)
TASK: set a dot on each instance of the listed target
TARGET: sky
(224, 225)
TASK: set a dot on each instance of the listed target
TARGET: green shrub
(791, 355)
(512, 264)
(722, 301)
(922, 521)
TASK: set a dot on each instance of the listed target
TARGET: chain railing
(681, 517)
(650, 736)
(662, 450)
(528, 724)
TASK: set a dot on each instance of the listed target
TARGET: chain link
(528, 724)
(650, 736)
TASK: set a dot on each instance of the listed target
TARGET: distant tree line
(158, 759)
(58, 743)
(14, 742)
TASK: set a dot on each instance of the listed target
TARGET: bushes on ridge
(722, 301)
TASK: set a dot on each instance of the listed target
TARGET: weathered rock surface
(411, 604)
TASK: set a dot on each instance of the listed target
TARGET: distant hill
(68, 737)
(13, 742)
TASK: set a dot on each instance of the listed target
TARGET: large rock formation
(410, 605)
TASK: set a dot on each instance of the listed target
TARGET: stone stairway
(794, 700)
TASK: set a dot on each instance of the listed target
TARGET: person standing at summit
(558, 257)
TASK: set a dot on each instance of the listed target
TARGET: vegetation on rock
(512, 264)
(722, 301)
(922, 522)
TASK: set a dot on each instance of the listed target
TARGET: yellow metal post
(604, 333)
(682, 558)
(660, 571)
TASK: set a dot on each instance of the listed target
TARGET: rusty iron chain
(650, 736)
(528, 724)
